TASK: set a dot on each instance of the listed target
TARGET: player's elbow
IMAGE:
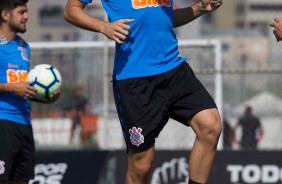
(67, 15)
(69, 12)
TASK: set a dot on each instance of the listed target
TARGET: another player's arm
(22, 89)
(75, 14)
(259, 135)
(183, 16)
(234, 129)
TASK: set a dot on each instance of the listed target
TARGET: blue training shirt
(14, 65)
(151, 48)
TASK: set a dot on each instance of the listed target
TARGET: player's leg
(192, 105)
(139, 166)
(7, 155)
(72, 128)
(17, 159)
(24, 168)
(207, 126)
(141, 109)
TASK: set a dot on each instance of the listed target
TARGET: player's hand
(52, 98)
(205, 3)
(277, 25)
(119, 30)
(211, 5)
(24, 90)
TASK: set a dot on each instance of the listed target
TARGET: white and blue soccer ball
(46, 79)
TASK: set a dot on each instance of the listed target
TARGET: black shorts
(145, 104)
(17, 152)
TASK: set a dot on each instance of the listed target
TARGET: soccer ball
(46, 79)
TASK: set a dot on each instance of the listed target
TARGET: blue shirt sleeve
(86, 1)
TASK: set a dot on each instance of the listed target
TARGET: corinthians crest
(2, 168)
(3, 40)
(136, 137)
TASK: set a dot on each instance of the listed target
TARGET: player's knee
(211, 130)
(138, 173)
(140, 164)
(142, 168)
(217, 129)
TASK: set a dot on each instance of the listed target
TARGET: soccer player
(17, 149)
(152, 82)
(78, 106)
(252, 131)
(277, 24)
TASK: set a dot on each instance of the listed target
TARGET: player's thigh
(9, 150)
(206, 121)
(17, 159)
(187, 96)
(142, 111)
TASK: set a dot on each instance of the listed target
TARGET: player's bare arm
(22, 89)
(74, 13)
(277, 25)
(183, 16)
(117, 31)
